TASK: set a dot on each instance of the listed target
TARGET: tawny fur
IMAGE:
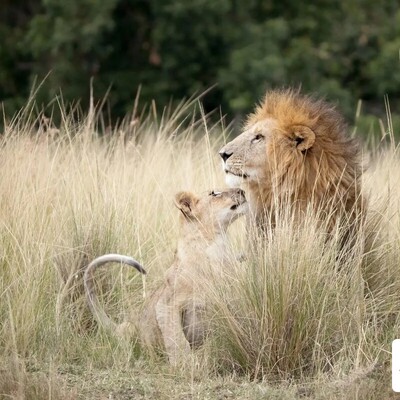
(295, 152)
(173, 317)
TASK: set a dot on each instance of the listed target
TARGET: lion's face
(214, 209)
(245, 157)
(261, 148)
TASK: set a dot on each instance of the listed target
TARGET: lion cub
(174, 314)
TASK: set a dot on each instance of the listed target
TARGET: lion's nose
(225, 155)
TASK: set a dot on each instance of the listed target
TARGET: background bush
(345, 51)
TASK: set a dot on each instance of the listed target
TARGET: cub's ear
(186, 201)
(304, 137)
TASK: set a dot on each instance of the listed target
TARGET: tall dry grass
(289, 312)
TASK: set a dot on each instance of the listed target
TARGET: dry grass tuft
(287, 314)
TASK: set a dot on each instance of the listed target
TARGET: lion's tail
(88, 280)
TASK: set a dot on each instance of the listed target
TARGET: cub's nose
(240, 195)
(240, 192)
(225, 155)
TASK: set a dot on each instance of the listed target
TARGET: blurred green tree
(173, 48)
(15, 61)
(66, 39)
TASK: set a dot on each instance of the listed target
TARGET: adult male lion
(293, 154)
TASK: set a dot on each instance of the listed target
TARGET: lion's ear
(186, 201)
(303, 136)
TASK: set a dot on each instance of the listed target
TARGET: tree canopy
(345, 51)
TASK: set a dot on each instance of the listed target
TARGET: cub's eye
(215, 194)
(257, 138)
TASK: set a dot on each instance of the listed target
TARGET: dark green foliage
(345, 51)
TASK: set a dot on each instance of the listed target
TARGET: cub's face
(245, 158)
(216, 208)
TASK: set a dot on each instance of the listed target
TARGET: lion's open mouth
(240, 175)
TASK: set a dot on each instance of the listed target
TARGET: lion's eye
(257, 138)
(215, 194)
